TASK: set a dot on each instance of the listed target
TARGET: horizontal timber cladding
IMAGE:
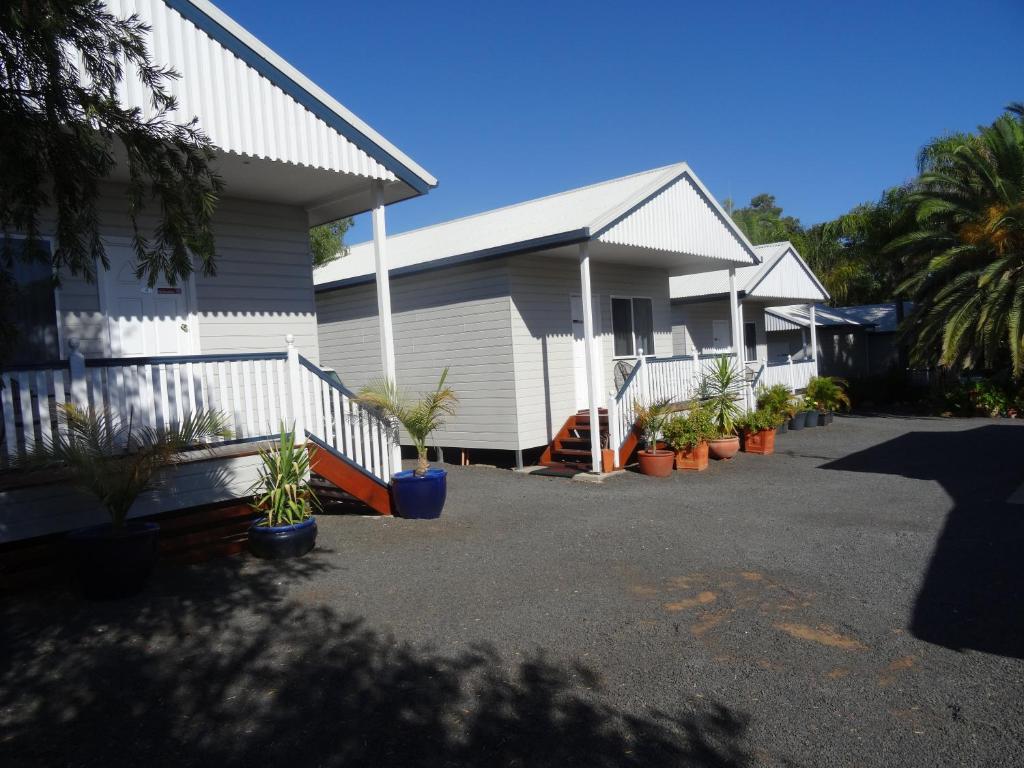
(262, 291)
(542, 333)
(693, 325)
(458, 318)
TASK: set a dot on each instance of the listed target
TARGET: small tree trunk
(421, 463)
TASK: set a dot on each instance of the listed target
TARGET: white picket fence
(652, 379)
(256, 392)
(792, 375)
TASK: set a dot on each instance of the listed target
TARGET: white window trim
(654, 335)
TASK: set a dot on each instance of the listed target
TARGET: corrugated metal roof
(602, 210)
(782, 274)
(797, 316)
(250, 101)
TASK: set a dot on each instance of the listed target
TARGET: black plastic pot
(278, 542)
(810, 418)
(419, 497)
(781, 428)
(107, 564)
(825, 418)
(796, 422)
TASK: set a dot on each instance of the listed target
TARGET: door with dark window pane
(750, 341)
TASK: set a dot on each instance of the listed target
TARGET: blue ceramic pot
(419, 498)
(278, 542)
(108, 564)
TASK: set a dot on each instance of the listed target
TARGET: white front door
(721, 330)
(579, 354)
(144, 321)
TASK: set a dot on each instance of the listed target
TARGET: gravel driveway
(854, 600)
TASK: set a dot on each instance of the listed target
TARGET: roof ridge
(585, 187)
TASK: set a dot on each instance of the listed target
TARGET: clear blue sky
(822, 104)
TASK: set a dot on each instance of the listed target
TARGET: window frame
(51, 239)
(632, 326)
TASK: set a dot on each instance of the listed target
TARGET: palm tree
(116, 461)
(965, 257)
(419, 417)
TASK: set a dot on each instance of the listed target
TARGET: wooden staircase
(350, 481)
(570, 450)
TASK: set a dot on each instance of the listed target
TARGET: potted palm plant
(116, 462)
(688, 435)
(720, 390)
(284, 501)
(758, 430)
(777, 400)
(650, 420)
(828, 394)
(417, 493)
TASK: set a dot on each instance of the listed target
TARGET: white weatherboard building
(539, 309)
(702, 319)
(292, 157)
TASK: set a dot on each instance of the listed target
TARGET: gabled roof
(253, 103)
(666, 210)
(781, 275)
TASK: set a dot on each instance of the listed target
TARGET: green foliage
(778, 400)
(965, 255)
(420, 418)
(282, 493)
(114, 461)
(762, 221)
(828, 393)
(757, 421)
(327, 241)
(63, 134)
(687, 430)
(651, 419)
(720, 391)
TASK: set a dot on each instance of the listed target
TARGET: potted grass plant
(284, 501)
(116, 462)
(758, 431)
(829, 395)
(417, 493)
(688, 434)
(809, 411)
(720, 389)
(650, 420)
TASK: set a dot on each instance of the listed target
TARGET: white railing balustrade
(792, 375)
(256, 392)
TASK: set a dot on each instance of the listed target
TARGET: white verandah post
(588, 344)
(387, 335)
(298, 402)
(735, 316)
(814, 336)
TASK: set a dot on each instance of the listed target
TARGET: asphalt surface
(856, 599)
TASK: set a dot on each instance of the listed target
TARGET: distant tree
(762, 221)
(965, 254)
(63, 131)
(327, 241)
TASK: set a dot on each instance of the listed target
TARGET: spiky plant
(117, 461)
(966, 255)
(418, 417)
(282, 493)
(720, 390)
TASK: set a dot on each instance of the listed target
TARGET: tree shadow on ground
(216, 665)
(973, 590)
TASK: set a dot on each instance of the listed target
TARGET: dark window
(643, 325)
(30, 307)
(622, 327)
(750, 341)
(633, 326)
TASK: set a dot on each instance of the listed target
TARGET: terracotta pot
(762, 442)
(695, 457)
(607, 460)
(656, 463)
(723, 447)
